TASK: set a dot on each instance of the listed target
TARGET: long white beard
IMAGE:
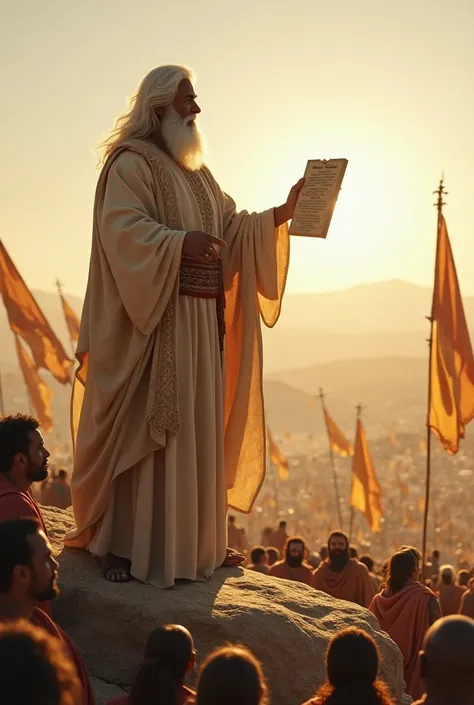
(183, 139)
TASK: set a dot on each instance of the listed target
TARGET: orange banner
(72, 320)
(27, 320)
(365, 493)
(38, 391)
(277, 457)
(337, 439)
(452, 360)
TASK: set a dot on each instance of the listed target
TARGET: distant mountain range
(393, 389)
(366, 344)
(384, 307)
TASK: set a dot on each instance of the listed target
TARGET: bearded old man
(167, 406)
(344, 577)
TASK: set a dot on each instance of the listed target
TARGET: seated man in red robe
(28, 575)
(23, 460)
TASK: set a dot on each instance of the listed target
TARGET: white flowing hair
(157, 90)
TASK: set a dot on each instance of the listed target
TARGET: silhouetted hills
(363, 345)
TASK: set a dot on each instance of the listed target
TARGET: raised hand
(285, 213)
(201, 246)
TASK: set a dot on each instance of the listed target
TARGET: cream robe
(161, 444)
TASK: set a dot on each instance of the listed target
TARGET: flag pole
(333, 463)
(440, 192)
(59, 287)
(359, 409)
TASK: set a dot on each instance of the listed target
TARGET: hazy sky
(388, 85)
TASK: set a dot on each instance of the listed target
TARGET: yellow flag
(38, 391)
(452, 360)
(337, 439)
(277, 457)
(72, 320)
(27, 320)
(365, 493)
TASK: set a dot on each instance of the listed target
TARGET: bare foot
(115, 569)
(233, 558)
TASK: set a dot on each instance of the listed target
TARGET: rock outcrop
(286, 625)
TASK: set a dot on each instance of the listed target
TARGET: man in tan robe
(343, 577)
(294, 566)
(178, 282)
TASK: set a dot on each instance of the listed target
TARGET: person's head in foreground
(273, 555)
(463, 578)
(338, 547)
(231, 676)
(404, 568)
(34, 669)
(164, 108)
(352, 665)
(28, 569)
(447, 575)
(259, 556)
(22, 453)
(169, 655)
(447, 661)
(295, 550)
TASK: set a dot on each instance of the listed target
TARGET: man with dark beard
(294, 566)
(28, 575)
(342, 577)
(23, 460)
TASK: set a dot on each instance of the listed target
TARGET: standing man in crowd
(294, 566)
(343, 577)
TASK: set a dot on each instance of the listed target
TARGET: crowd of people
(406, 597)
(40, 664)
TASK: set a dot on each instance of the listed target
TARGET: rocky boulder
(286, 625)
